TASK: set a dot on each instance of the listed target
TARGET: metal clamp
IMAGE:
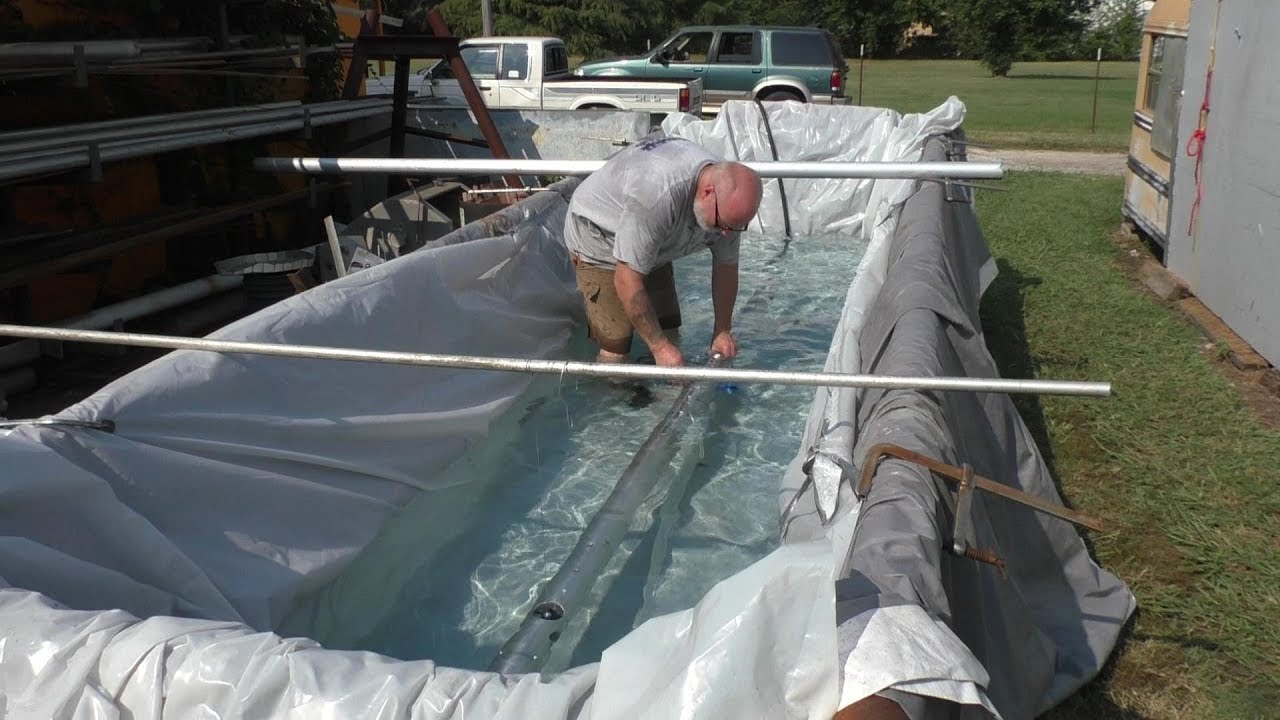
(967, 482)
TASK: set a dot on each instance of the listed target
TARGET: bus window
(1164, 90)
(1154, 62)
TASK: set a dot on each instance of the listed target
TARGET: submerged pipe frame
(563, 595)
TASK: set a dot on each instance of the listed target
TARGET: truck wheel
(781, 95)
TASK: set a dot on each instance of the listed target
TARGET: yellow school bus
(1155, 139)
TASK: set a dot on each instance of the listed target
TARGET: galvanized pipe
(144, 305)
(170, 143)
(435, 166)
(24, 352)
(115, 135)
(582, 570)
(94, 50)
(568, 367)
(18, 136)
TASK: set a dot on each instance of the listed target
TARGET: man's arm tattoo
(643, 318)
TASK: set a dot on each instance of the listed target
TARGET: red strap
(1195, 149)
(1195, 146)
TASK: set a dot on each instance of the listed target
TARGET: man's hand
(724, 344)
(666, 354)
(724, 294)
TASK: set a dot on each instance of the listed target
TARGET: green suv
(742, 62)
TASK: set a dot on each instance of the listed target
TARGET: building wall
(1231, 258)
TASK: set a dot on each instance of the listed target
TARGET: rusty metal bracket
(967, 482)
(401, 48)
(480, 111)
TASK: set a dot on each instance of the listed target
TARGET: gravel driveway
(1083, 163)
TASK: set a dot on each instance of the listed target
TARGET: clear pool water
(455, 574)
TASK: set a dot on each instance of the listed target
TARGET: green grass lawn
(1040, 105)
(1182, 472)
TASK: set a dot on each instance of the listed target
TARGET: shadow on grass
(1004, 326)
(1044, 76)
(1093, 701)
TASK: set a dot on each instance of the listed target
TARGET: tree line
(998, 32)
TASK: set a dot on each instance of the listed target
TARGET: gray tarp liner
(234, 483)
(1045, 630)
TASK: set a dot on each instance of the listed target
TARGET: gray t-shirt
(638, 209)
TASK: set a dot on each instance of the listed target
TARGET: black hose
(782, 190)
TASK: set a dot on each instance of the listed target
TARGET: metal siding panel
(1231, 261)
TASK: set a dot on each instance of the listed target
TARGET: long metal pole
(57, 131)
(119, 133)
(569, 367)
(168, 143)
(486, 18)
(450, 166)
(155, 302)
(563, 595)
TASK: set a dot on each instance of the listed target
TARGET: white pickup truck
(533, 73)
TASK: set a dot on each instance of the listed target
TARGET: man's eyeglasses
(725, 229)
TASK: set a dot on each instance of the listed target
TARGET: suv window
(556, 60)
(739, 47)
(799, 48)
(690, 47)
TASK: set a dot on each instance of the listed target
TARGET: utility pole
(486, 18)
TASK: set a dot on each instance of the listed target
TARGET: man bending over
(660, 199)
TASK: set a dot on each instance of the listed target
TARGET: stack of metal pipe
(29, 153)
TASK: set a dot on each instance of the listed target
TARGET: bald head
(730, 191)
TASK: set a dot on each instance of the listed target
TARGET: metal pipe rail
(568, 367)
(102, 126)
(449, 166)
(59, 161)
(527, 650)
(115, 134)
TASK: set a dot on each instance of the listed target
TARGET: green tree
(1001, 32)
(1117, 29)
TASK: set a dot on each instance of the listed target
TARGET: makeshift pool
(415, 510)
(471, 569)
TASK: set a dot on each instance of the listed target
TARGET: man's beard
(701, 218)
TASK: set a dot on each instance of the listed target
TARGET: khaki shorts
(607, 319)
